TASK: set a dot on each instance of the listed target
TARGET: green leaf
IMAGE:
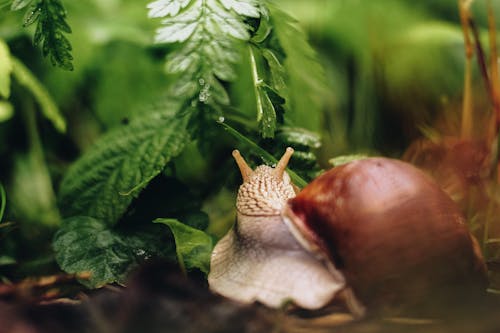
(268, 102)
(32, 14)
(344, 159)
(193, 246)
(5, 70)
(103, 182)
(6, 111)
(47, 106)
(85, 244)
(31, 194)
(19, 4)
(209, 34)
(267, 114)
(50, 16)
(6, 260)
(277, 70)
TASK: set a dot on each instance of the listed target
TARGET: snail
(373, 233)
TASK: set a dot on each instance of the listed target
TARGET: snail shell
(377, 230)
(393, 233)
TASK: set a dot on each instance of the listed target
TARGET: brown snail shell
(394, 234)
(375, 232)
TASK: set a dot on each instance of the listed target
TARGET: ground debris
(160, 299)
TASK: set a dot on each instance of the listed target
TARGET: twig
(467, 121)
(27, 285)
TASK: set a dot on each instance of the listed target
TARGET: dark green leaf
(32, 14)
(304, 160)
(263, 31)
(104, 181)
(51, 18)
(85, 244)
(193, 246)
(38, 37)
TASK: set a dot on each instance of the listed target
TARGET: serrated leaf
(50, 16)
(105, 180)
(19, 4)
(210, 33)
(277, 70)
(47, 106)
(162, 8)
(263, 31)
(32, 14)
(193, 246)
(242, 7)
(5, 70)
(85, 244)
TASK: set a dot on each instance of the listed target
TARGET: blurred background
(391, 66)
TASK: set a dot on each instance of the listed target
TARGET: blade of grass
(47, 105)
(467, 125)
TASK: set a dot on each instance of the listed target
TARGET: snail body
(375, 232)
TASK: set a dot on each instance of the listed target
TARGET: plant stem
(494, 90)
(37, 158)
(3, 201)
(256, 83)
(466, 130)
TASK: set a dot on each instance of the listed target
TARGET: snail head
(265, 190)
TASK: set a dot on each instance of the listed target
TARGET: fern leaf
(50, 16)
(104, 181)
(209, 33)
